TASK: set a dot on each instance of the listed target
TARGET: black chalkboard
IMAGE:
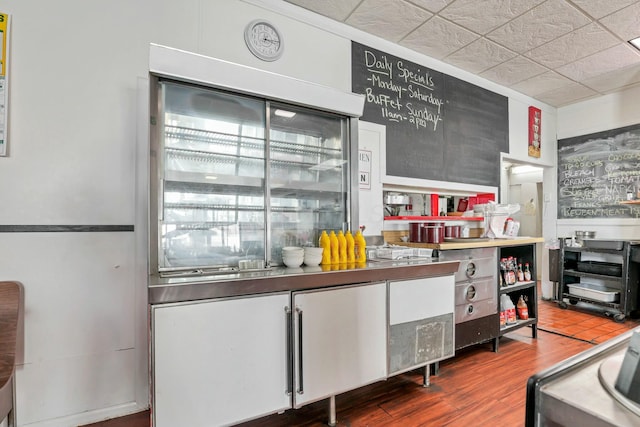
(595, 173)
(438, 127)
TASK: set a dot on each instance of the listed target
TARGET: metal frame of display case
(266, 187)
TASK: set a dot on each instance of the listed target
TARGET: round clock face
(263, 40)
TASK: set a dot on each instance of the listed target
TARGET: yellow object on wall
(4, 90)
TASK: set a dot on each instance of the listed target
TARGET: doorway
(523, 184)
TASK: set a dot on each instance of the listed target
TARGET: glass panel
(212, 192)
(308, 172)
(214, 162)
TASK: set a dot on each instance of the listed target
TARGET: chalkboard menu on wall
(438, 127)
(597, 172)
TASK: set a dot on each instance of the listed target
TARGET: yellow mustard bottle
(351, 253)
(335, 255)
(342, 248)
(360, 247)
(325, 244)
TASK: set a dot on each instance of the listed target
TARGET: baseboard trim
(89, 416)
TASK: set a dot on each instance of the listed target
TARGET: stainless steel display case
(236, 177)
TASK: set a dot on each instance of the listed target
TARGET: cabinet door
(421, 322)
(219, 362)
(340, 340)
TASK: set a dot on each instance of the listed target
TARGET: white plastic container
(594, 291)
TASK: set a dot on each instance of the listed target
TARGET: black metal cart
(601, 272)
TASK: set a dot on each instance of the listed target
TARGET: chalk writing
(596, 172)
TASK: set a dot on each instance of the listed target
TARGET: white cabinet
(421, 322)
(339, 340)
(220, 362)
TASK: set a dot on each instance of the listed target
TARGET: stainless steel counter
(177, 289)
(571, 394)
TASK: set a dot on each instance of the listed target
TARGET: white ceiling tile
(390, 19)
(540, 25)
(541, 83)
(600, 8)
(577, 44)
(615, 80)
(513, 71)
(572, 92)
(619, 56)
(491, 13)
(479, 55)
(431, 5)
(334, 9)
(438, 38)
(625, 23)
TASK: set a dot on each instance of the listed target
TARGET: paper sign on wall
(364, 169)
(4, 92)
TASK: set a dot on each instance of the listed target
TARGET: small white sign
(364, 169)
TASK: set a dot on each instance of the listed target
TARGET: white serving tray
(594, 291)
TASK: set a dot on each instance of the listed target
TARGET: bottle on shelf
(325, 244)
(527, 272)
(512, 270)
(504, 274)
(351, 254)
(523, 310)
(509, 308)
(520, 273)
(342, 248)
(360, 247)
(335, 255)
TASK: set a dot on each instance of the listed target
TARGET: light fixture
(211, 177)
(284, 113)
(635, 42)
(525, 169)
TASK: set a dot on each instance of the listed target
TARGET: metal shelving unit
(526, 254)
(606, 274)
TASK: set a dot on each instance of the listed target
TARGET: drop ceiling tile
(487, 16)
(334, 9)
(540, 25)
(568, 94)
(513, 71)
(541, 83)
(615, 80)
(624, 23)
(431, 5)
(438, 38)
(611, 59)
(600, 8)
(577, 44)
(479, 56)
(389, 19)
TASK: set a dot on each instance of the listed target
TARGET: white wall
(608, 112)
(77, 155)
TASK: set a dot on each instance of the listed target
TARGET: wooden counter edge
(492, 243)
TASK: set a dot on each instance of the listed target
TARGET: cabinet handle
(288, 318)
(300, 383)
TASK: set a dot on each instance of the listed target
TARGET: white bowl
(292, 249)
(313, 251)
(291, 263)
(312, 260)
(293, 258)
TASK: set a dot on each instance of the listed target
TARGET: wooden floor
(477, 387)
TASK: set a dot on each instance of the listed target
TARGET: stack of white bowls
(292, 256)
(312, 256)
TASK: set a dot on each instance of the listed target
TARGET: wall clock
(264, 40)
